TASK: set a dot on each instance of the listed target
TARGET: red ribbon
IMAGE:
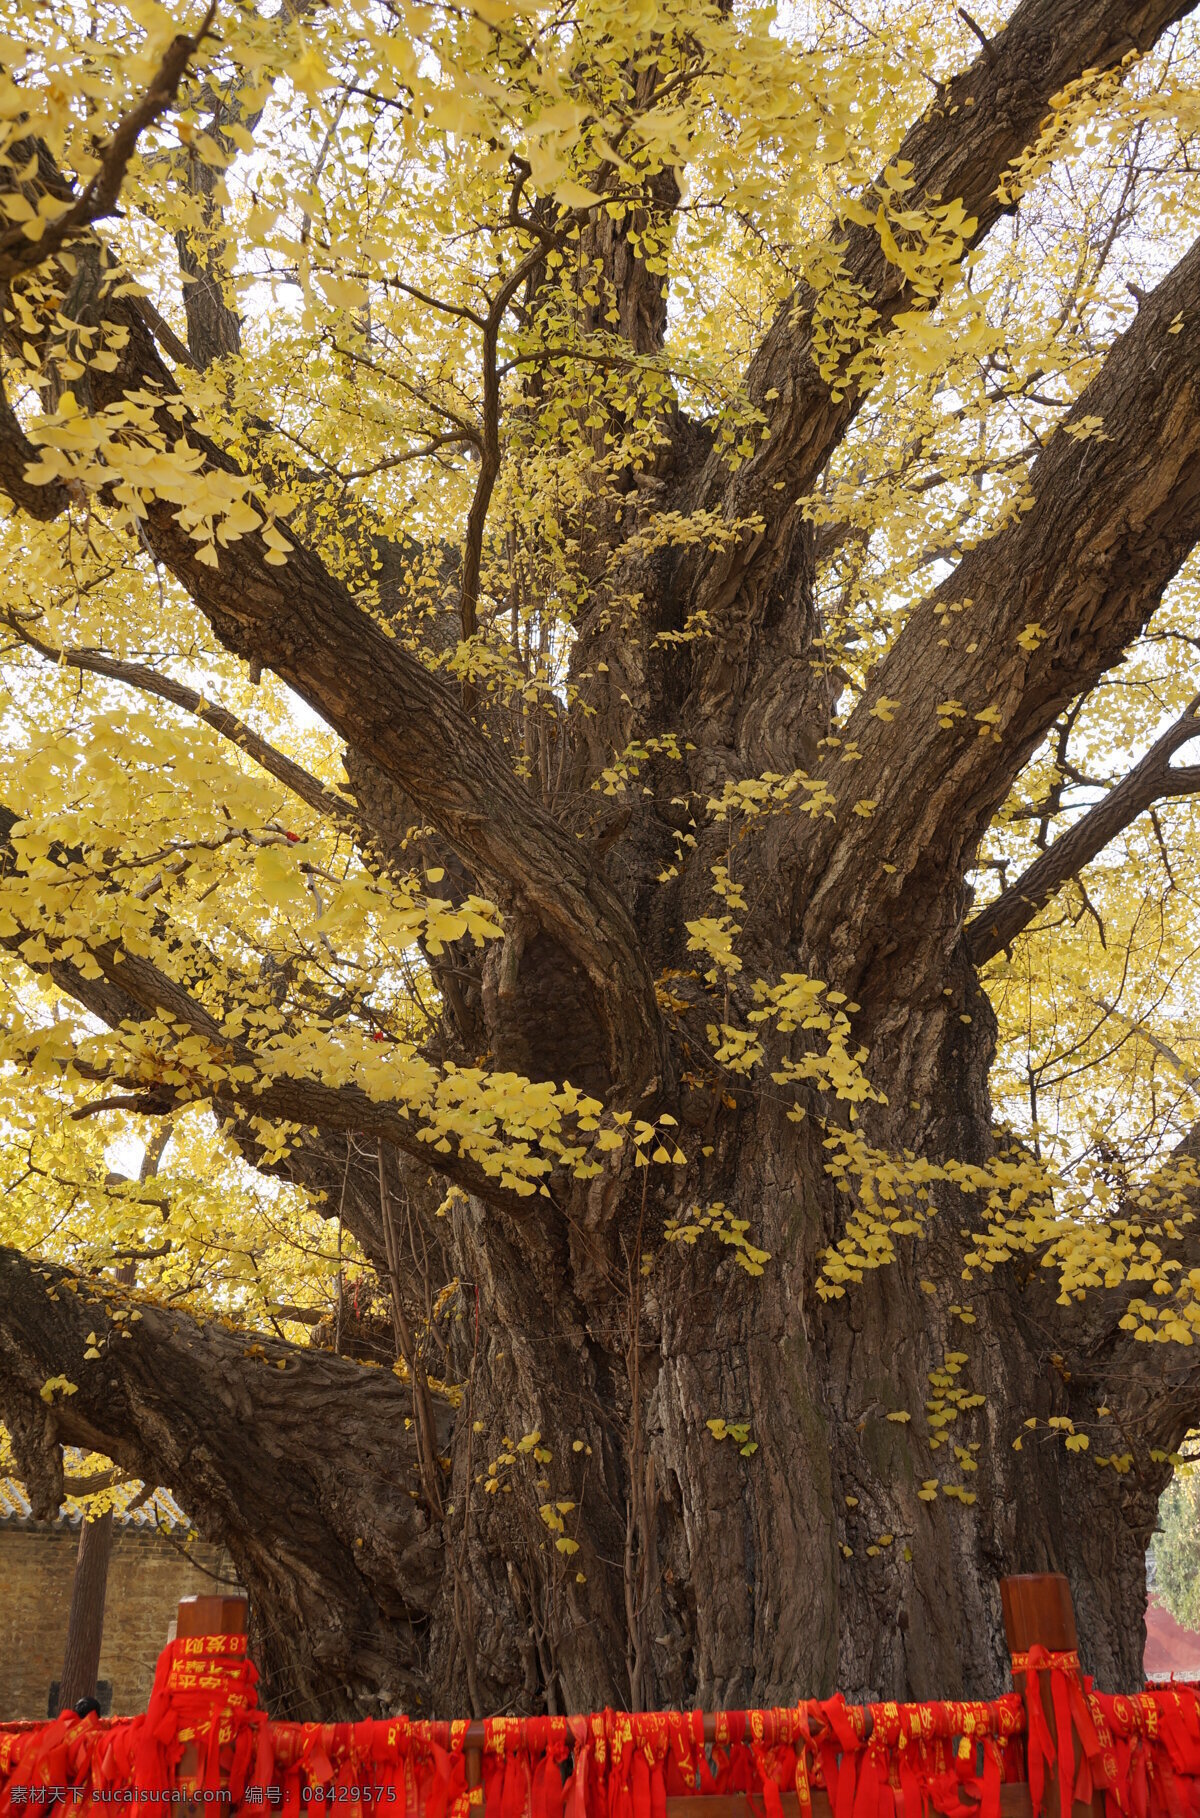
(893, 1761)
(1073, 1721)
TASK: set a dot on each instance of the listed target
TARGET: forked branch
(1027, 621)
(301, 621)
(98, 197)
(959, 150)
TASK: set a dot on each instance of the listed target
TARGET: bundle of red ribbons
(204, 1739)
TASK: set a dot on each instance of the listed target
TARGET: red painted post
(1038, 1609)
(206, 1616)
(1038, 1612)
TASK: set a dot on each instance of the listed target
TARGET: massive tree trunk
(667, 1477)
(797, 1552)
(792, 1556)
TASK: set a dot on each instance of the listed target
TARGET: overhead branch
(95, 1481)
(490, 451)
(226, 1419)
(960, 149)
(165, 335)
(98, 197)
(129, 988)
(1027, 621)
(277, 1098)
(213, 327)
(276, 763)
(1152, 780)
(1139, 1027)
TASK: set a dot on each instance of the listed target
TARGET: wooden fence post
(1038, 1612)
(211, 1616)
(474, 1753)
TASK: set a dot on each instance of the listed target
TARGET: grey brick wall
(147, 1576)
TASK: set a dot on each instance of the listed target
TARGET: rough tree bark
(705, 1571)
(346, 1565)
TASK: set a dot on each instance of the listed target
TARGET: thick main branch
(232, 1422)
(982, 121)
(300, 620)
(1025, 623)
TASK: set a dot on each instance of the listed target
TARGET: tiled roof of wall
(158, 1512)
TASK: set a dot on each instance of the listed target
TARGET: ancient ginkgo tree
(599, 885)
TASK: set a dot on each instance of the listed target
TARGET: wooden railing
(1038, 1611)
(1051, 1742)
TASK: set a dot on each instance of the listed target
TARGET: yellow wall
(147, 1576)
